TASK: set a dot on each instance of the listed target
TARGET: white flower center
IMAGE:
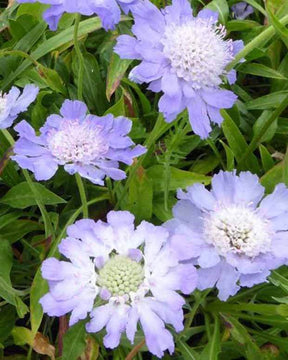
(3, 103)
(77, 142)
(238, 230)
(197, 51)
(121, 275)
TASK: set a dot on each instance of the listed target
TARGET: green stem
(80, 58)
(159, 129)
(216, 152)
(259, 40)
(110, 190)
(257, 138)
(82, 195)
(47, 223)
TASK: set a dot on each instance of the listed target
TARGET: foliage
(34, 216)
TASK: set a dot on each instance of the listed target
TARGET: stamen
(198, 52)
(238, 230)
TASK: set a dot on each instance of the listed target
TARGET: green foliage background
(34, 216)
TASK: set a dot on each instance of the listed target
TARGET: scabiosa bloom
(242, 10)
(108, 10)
(13, 103)
(233, 233)
(131, 275)
(89, 145)
(183, 56)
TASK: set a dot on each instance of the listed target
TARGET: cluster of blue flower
(230, 236)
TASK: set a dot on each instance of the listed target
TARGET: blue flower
(183, 56)
(242, 10)
(132, 274)
(13, 103)
(108, 10)
(86, 144)
(233, 232)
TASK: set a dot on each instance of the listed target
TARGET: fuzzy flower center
(198, 52)
(3, 103)
(238, 230)
(77, 142)
(121, 275)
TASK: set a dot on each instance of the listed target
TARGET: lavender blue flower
(232, 232)
(13, 103)
(242, 10)
(183, 56)
(108, 10)
(89, 145)
(133, 274)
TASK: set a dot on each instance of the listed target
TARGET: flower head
(233, 233)
(133, 274)
(242, 10)
(109, 11)
(183, 56)
(13, 103)
(86, 144)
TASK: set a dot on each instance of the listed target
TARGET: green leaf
(53, 43)
(266, 158)
(7, 321)
(118, 109)
(21, 196)
(8, 172)
(116, 71)
(272, 100)
(281, 30)
(261, 70)
(237, 142)
(140, 196)
(93, 85)
(17, 229)
(221, 7)
(38, 289)
(178, 178)
(74, 342)
(240, 334)
(6, 290)
(285, 168)
(186, 351)
(272, 177)
(212, 349)
(260, 123)
(22, 336)
(229, 157)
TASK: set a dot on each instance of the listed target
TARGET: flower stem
(159, 129)
(82, 195)
(258, 41)
(80, 58)
(47, 223)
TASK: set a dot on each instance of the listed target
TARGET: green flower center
(121, 275)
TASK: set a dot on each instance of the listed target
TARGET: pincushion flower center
(121, 275)
(77, 142)
(3, 103)
(197, 51)
(238, 230)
